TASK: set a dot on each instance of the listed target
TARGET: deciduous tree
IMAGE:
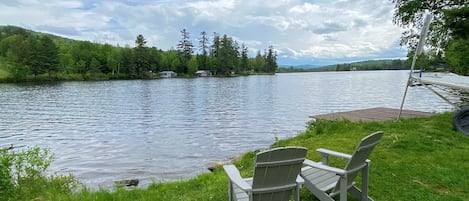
(448, 30)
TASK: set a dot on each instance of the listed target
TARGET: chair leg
(358, 194)
(297, 193)
(364, 194)
(230, 190)
(343, 188)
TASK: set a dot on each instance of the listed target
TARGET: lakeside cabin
(168, 74)
(203, 73)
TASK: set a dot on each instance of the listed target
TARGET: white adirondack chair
(276, 176)
(326, 182)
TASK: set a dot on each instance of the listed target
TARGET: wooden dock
(373, 114)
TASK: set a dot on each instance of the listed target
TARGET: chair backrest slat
(276, 171)
(361, 154)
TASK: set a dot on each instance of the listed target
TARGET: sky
(315, 32)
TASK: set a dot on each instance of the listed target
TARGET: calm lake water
(166, 129)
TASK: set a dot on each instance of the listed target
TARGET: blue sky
(317, 32)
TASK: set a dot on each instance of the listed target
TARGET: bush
(23, 175)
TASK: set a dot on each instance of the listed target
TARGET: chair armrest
(235, 177)
(324, 167)
(333, 153)
(328, 152)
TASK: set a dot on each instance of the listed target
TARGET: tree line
(30, 55)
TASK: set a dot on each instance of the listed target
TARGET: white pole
(420, 45)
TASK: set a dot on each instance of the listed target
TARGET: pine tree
(185, 50)
(244, 58)
(203, 44)
(48, 55)
(227, 55)
(271, 60)
(259, 62)
(142, 63)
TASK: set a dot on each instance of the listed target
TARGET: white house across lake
(203, 73)
(168, 74)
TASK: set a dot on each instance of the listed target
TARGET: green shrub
(23, 175)
(6, 183)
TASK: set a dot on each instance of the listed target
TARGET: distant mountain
(303, 66)
(307, 66)
(8, 30)
(383, 64)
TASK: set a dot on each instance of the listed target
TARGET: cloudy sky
(316, 32)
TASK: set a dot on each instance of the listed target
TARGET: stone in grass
(127, 182)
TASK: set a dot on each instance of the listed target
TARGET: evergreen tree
(140, 42)
(271, 60)
(185, 50)
(259, 62)
(203, 41)
(142, 63)
(227, 56)
(203, 57)
(214, 53)
(48, 55)
(244, 58)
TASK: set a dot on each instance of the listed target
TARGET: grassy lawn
(418, 159)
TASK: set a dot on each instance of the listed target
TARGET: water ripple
(172, 128)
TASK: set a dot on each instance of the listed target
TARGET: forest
(26, 55)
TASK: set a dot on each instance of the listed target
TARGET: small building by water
(168, 74)
(203, 73)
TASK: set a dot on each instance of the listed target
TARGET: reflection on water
(172, 128)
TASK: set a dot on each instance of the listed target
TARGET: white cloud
(300, 31)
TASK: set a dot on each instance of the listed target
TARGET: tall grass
(418, 159)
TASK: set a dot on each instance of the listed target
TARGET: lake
(169, 129)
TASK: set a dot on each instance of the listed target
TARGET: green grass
(418, 159)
